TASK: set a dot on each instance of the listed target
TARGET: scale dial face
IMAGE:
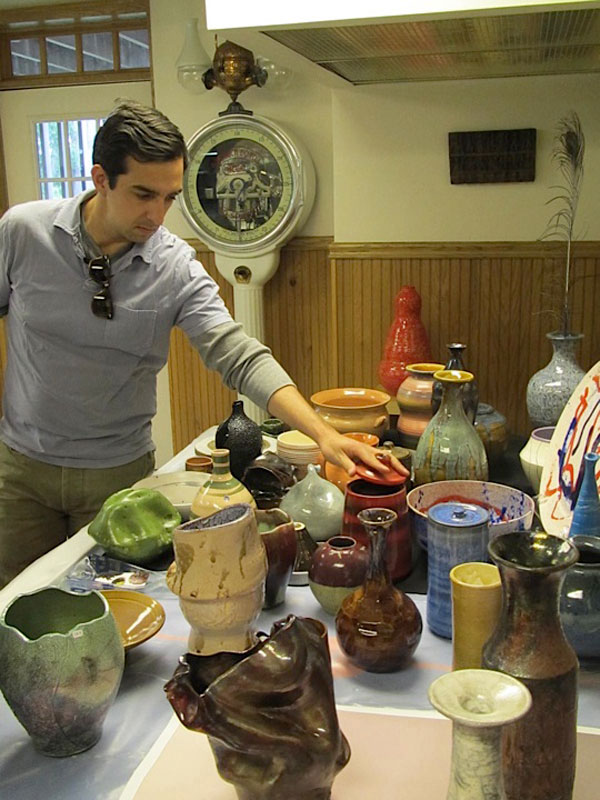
(243, 184)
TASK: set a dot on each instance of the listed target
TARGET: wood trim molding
(547, 249)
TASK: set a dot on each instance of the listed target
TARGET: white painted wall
(391, 165)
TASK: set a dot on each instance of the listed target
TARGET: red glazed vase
(407, 341)
(362, 494)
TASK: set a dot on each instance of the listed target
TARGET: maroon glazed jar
(362, 494)
(338, 567)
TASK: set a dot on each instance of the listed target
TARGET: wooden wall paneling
(297, 304)
(198, 397)
(329, 307)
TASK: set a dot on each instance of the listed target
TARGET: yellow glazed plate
(138, 616)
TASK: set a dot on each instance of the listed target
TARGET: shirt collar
(69, 220)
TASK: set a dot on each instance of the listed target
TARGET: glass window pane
(50, 147)
(25, 56)
(97, 51)
(134, 51)
(81, 133)
(54, 190)
(61, 54)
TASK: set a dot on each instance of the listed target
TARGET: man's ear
(100, 178)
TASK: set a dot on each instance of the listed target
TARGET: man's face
(140, 199)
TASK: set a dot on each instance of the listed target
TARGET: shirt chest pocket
(130, 330)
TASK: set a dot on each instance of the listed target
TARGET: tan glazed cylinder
(219, 575)
(476, 605)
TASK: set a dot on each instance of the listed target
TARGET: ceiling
(504, 45)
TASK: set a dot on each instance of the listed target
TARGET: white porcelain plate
(178, 487)
(577, 433)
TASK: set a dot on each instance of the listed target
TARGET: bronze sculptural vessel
(269, 713)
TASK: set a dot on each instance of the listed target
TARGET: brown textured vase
(378, 626)
(269, 713)
(529, 644)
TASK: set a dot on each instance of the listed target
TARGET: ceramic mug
(476, 604)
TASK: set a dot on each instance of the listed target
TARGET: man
(92, 287)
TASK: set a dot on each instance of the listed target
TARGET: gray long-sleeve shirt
(79, 390)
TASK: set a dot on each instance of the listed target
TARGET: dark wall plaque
(492, 156)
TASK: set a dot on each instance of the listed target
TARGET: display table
(141, 733)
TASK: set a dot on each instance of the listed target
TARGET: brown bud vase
(378, 626)
(529, 644)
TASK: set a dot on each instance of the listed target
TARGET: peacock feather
(567, 154)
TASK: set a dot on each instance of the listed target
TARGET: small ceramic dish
(138, 616)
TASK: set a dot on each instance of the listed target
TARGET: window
(64, 156)
(90, 43)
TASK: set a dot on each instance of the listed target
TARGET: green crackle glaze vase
(61, 662)
(450, 447)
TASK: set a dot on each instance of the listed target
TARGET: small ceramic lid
(458, 515)
(392, 478)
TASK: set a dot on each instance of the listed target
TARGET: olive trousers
(41, 505)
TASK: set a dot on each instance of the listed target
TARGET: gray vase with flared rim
(549, 389)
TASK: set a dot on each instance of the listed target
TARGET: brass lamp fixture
(234, 69)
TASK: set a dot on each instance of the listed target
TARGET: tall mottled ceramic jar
(61, 662)
(529, 644)
(450, 447)
(414, 402)
(219, 575)
(550, 388)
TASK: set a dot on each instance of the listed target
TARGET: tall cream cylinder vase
(219, 575)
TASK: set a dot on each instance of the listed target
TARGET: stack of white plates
(298, 449)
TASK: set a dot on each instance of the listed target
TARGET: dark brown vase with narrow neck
(378, 626)
(529, 644)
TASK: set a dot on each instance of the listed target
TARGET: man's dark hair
(135, 130)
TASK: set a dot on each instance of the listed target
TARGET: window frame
(64, 120)
(38, 25)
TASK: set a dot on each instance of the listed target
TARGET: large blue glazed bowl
(510, 509)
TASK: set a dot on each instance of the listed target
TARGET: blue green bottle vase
(61, 662)
(586, 515)
(450, 447)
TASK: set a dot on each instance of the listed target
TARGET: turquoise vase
(586, 516)
(61, 662)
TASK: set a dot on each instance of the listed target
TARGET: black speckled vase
(242, 437)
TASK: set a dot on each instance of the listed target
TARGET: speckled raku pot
(61, 661)
(549, 389)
